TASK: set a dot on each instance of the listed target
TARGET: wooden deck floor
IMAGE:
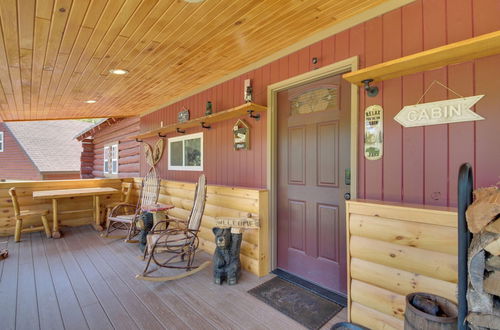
(82, 281)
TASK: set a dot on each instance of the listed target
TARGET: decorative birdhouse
(241, 135)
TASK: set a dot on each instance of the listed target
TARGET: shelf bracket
(250, 113)
(182, 131)
(138, 140)
(162, 136)
(205, 126)
(371, 91)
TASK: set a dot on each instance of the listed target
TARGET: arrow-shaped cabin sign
(440, 112)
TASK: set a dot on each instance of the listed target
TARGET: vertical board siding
(128, 150)
(420, 164)
(14, 162)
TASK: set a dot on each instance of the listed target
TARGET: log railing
(81, 207)
(223, 202)
(396, 249)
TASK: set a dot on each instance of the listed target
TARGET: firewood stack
(483, 295)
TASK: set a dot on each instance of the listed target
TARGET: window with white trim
(114, 159)
(110, 161)
(185, 153)
(1, 142)
(106, 159)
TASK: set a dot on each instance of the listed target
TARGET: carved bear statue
(226, 260)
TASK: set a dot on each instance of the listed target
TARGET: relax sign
(440, 112)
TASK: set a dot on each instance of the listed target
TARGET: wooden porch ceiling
(56, 54)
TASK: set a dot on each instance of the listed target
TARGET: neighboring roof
(50, 144)
(89, 131)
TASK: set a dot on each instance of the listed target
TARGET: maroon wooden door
(313, 157)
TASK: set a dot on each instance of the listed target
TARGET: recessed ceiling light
(118, 71)
(194, 1)
(90, 101)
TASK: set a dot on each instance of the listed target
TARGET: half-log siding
(420, 164)
(14, 162)
(128, 150)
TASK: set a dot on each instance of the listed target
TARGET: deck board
(83, 281)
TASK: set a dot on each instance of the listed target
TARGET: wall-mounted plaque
(374, 132)
(440, 112)
(241, 134)
(183, 115)
(314, 100)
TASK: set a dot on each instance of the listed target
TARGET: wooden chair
(126, 194)
(20, 215)
(167, 247)
(124, 216)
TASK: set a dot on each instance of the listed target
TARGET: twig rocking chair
(169, 247)
(124, 216)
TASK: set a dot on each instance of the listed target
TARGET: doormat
(305, 307)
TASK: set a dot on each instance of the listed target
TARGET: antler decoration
(153, 155)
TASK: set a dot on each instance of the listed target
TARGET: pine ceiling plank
(292, 20)
(94, 13)
(81, 84)
(109, 40)
(5, 75)
(8, 18)
(253, 15)
(139, 16)
(54, 54)
(154, 61)
(133, 41)
(68, 42)
(108, 15)
(44, 9)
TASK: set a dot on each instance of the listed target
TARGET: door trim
(350, 64)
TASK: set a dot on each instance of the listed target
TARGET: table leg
(55, 226)
(97, 216)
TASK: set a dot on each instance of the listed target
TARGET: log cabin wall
(87, 159)
(222, 202)
(15, 164)
(394, 250)
(420, 164)
(25, 196)
(128, 150)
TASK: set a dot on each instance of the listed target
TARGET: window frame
(114, 152)
(184, 138)
(105, 169)
(110, 159)
(2, 142)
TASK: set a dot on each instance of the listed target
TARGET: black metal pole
(465, 185)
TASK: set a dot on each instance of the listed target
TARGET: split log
(482, 193)
(493, 263)
(494, 226)
(476, 263)
(487, 321)
(492, 283)
(483, 210)
(4, 253)
(479, 302)
(493, 246)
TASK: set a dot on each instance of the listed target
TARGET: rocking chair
(124, 216)
(168, 247)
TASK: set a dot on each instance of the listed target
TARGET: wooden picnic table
(79, 192)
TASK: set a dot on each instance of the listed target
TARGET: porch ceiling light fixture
(118, 71)
(194, 1)
(90, 101)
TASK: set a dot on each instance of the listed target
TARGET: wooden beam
(457, 52)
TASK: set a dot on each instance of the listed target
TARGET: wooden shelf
(458, 52)
(236, 112)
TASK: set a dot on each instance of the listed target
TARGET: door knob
(347, 196)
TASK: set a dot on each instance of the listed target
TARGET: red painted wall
(420, 165)
(14, 162)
